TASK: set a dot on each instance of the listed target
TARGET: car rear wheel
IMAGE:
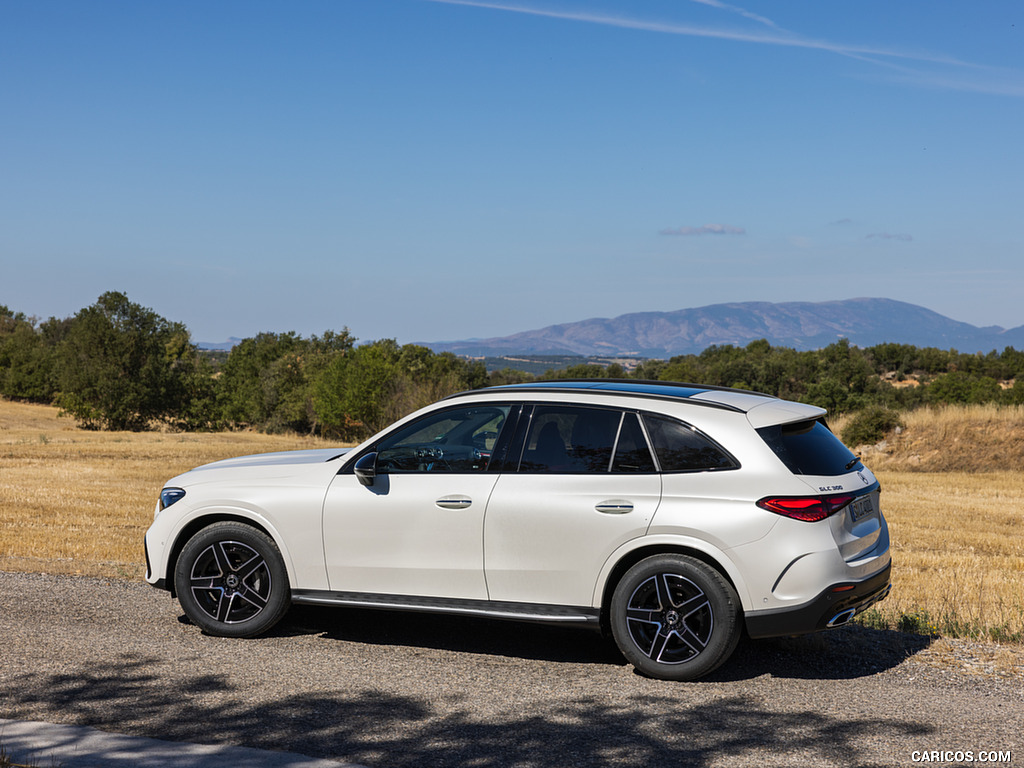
(674, 617)
(231, 580)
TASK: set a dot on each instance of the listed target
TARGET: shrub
(871, 426)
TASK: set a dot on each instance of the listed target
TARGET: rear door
(579, 482)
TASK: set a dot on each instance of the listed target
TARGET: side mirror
(366, 468)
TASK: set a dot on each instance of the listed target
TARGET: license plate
(861, 508)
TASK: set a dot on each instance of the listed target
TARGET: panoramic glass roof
(628, 387)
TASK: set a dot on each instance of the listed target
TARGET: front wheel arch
(194, 526)
(231, 580)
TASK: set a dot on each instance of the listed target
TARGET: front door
(418, 529)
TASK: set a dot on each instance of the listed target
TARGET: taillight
(810, 509)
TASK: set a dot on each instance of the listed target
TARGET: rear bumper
(831, 608)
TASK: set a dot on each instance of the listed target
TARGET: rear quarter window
(809, 448)
(681, 448)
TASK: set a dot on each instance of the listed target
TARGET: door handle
(454, 502)
(615, 507)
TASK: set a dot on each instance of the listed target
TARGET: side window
(455, 440)
(570, 439)
(631, 451)
(681, 448)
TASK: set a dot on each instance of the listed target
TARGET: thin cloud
(890, 236)
(742, 12)
(707, 229)
(780, 38)
(964, 76)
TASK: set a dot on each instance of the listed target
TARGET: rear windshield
(809, 448)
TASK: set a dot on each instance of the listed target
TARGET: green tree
(353, 393)
(242, 389)
(268, 380)
(122, 366)
(684, 368)
(846, 380)
(960, 387)
(1014, 361)
(898, 358)
(377, 383)
(508, 376)
(1015, 394)
(27, 359)
(578, 371)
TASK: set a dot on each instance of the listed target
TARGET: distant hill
(800, 325)
(219, 346)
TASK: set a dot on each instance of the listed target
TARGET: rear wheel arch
(631, 558)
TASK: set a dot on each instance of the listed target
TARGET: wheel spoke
(221, 557)
(694, 649)
(702, 608)
(224, 605)
(702, 642)
(247, 569)
(691, 605)
(252, 596)
(664, 591)
(643, 614)
(658, 648)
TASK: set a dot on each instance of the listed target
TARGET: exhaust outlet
(843, 617)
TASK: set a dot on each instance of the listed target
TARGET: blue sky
(430, 170)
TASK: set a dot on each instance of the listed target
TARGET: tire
(231, 581)
(674, 617)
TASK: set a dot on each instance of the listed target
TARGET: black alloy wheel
(231, 580)
(674, 617)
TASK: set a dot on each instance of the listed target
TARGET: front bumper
(830, 608)
(158, 583)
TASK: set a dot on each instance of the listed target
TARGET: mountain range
(799, 325)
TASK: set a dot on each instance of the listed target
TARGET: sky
(431, 170)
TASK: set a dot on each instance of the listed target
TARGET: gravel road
(402, 691)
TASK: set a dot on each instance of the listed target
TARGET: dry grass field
(953, 492)
(74, 501)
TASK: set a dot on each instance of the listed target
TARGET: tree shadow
(395, 731)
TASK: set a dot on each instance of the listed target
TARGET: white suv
(674, 516)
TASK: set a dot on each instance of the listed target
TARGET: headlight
(168, 496)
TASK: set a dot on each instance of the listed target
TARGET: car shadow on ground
(838, 654)
(843, 653)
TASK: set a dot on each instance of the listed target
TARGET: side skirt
(546, 614)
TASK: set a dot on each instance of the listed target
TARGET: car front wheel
(674, 617)
(231, 580)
